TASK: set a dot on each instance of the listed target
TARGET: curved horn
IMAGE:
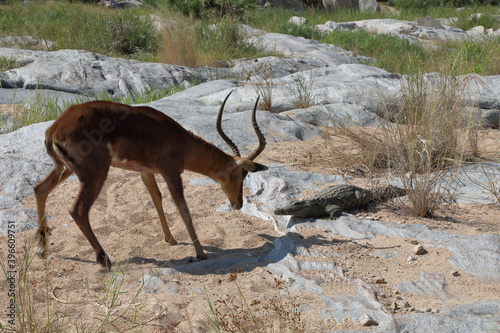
(262, 139)
(223, 135)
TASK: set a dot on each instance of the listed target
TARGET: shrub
(223, 41)
(204, 8)
(420, 141)
(132, 34)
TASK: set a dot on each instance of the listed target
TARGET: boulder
(333, 5)
(429, 22)
(287, 4)
(298, 21)
(369, 6)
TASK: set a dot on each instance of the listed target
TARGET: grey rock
(288, 4)
(355, 307)
(430, 285)
(151, 284)
(297, 20)
(366, 320)
(333, 5)
(87, 73)
(20, 42)
(476, 317)
(429, 22)
(369, 6)
(335, 113)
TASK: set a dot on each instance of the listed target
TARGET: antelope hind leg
(42, 190)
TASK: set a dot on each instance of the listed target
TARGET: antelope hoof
(41, 252)
(172, 241)
(103, 259)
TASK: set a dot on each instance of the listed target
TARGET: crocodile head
(296, 208)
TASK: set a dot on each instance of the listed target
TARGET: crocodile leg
(334, 211)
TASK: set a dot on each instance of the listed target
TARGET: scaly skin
(337, 198)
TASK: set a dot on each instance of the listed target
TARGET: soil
(80, 294)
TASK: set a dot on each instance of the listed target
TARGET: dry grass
(46, 303)
(179, 44)
(262, 81)
(236, 314)
(426, 133)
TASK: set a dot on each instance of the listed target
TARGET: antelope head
(238, 167)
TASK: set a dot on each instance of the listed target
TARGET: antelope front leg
(174, 182)
(149, 180)
(42, 190)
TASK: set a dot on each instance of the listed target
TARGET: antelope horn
(223, 135)
(262, 139)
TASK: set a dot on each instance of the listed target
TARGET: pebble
(455, 273)
(366, 320)
(411, 258)
(419, 250)
(378, 279)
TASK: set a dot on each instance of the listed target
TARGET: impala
(87, 139)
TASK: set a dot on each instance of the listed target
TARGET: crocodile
(336, 198)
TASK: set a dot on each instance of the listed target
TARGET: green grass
(130, 34)
(6, 64)
(44, 109)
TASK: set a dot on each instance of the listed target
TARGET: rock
(20, 42)
(333, 5)
(419, 250)
(428, 21)
(378, 280)
(366, 320)
(128, 4)
(411, 258)
(288, 4)
(151, 284)
(455, 273)
(479, 30)
(161, 24)
(430, 285)
(298, 21)
(87, 73)
(369, 6)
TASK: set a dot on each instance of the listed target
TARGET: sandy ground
(76, 292)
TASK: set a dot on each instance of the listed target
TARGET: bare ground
(75, 291)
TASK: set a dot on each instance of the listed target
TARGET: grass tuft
(420, 141)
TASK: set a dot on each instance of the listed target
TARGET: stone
(430, 285)
(369, 6)
(366, 320)
(333, 5)
(428, 21)
(287, 4)
(378, 280)
(298, 21)
(20, 42)
(477, 30)
(419, 250)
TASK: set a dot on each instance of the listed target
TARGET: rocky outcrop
(333, 5)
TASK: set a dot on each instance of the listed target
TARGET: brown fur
(87, 139)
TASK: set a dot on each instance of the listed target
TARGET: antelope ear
(251, 166)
